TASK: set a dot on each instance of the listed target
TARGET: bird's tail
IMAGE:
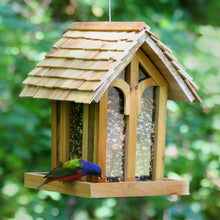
(45, 182)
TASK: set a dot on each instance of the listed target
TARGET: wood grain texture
(109, 26)
(170, 56)
(184, 74)
(90, 78)
(31, 80)
(136, 189)
(89, 86)
(28, 91)
(178, 65)
(59, 42)
(93, 136)
(105, 190)
(97, 51)
(33, 180)
(76, 64)
(85, 132)
(141, 87)
(131, 121)
(150, 68)
(102, 135)
(115, 72)
(160, 133)
(178, 91)
(151, 34)
(57, 94)
(197, 98)
(86, 45)
(125, 88)
(55, 107)
(95, 55)
(64, 131)
(108, 36)
(163, 47)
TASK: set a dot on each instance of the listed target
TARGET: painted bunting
(71, 171)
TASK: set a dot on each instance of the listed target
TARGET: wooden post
(85, 132)
(97, 135)
(150, 68)
(85, 135)
(91, 140)
(141, 87)
(160, 133)
(131, 130)
(102, 135)
(64, 130)
(92, 135)
(125, 88)
(54, 133)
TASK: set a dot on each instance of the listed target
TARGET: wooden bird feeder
(109, 83)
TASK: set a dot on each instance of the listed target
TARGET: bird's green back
(72, 164)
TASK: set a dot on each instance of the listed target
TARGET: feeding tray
(109, 83)
(116, 189)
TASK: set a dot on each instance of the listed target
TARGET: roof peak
(109, 26)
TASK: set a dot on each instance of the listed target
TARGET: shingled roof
(90, 55)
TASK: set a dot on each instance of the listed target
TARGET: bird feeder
(109, 83)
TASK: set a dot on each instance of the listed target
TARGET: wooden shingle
(109, 26)
(90, 55)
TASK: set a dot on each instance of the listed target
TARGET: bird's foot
(73, 181)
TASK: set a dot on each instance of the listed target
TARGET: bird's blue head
(89, 168)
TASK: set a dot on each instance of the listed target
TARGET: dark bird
(71, 171)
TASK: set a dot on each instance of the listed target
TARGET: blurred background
(191, 28)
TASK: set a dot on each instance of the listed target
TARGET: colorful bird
(71, 171)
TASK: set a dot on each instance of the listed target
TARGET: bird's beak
(100, 176)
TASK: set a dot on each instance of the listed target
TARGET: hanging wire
(109, 10)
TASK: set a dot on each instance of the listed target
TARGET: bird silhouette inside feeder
(109, 83)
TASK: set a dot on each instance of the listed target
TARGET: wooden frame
(160, 133)
(95, 121)
(94, 140)
(85, 132)
(160, 114)
(60, 123)
(102, 134)
(54, 133)
(132, 72)
(100, 190)
(150, 68)
(144, 84)
(80, 68)
(125, 88)
(64, 143)
(92, 135)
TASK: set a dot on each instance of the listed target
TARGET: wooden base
(101, 190)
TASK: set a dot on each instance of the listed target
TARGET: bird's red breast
(67, 178)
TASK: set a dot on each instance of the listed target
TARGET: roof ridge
(90, 55)
(109, 26)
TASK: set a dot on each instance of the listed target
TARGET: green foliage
(28, 31)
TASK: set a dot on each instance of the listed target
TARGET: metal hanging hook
(109, 10)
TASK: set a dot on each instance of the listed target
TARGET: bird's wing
(60, 171)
